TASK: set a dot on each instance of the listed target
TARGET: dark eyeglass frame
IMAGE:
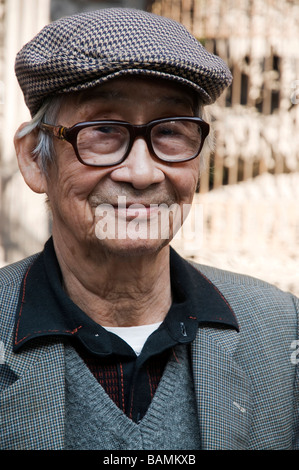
(144, 130)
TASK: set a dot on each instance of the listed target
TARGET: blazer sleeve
(295, 359)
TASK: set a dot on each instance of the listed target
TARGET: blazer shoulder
(11, 277)
(14, 273)
(230, 277)
(251, 294)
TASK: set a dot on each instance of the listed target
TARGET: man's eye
(106, 129)
(167, 131)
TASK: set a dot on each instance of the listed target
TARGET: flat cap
(87, 49)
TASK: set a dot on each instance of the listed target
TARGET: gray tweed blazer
(245, 382)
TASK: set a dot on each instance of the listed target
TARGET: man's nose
(139, 169)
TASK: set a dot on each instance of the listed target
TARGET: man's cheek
(188, 189)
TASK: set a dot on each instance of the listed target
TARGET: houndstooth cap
(87, 49)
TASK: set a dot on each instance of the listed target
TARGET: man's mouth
(130, 208)
(131, 219)
(133, 210)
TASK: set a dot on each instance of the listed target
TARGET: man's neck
(119, 291)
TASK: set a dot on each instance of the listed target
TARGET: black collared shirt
(44, 309)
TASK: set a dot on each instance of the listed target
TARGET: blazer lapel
(222, 390)
(32, 407)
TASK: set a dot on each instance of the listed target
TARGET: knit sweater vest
(94, 422)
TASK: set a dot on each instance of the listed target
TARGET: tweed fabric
(37, 425)
(262, 351)
(246, 386)
(84, 50)
(10, 279)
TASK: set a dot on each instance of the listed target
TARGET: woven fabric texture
(87, 49)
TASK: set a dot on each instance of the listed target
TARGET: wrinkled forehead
(133, 89)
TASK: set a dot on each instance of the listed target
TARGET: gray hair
(44, 150)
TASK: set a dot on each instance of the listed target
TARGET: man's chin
(132, 248)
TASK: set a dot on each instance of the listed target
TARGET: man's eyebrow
(175, 99)
(90, 95)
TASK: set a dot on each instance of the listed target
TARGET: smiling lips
(132, 211)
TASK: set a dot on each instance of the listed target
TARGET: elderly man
(111, 339)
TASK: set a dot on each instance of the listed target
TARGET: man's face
(77, 193)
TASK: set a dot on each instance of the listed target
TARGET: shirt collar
(44, 309)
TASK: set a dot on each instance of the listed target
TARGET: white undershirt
(135, 336)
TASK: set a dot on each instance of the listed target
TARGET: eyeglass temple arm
(57, 131)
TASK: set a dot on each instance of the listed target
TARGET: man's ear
(28, 164)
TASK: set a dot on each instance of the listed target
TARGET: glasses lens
(176, 140)
(102, 144)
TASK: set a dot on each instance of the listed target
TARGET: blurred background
(249, 192)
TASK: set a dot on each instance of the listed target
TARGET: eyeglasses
(108, 143)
